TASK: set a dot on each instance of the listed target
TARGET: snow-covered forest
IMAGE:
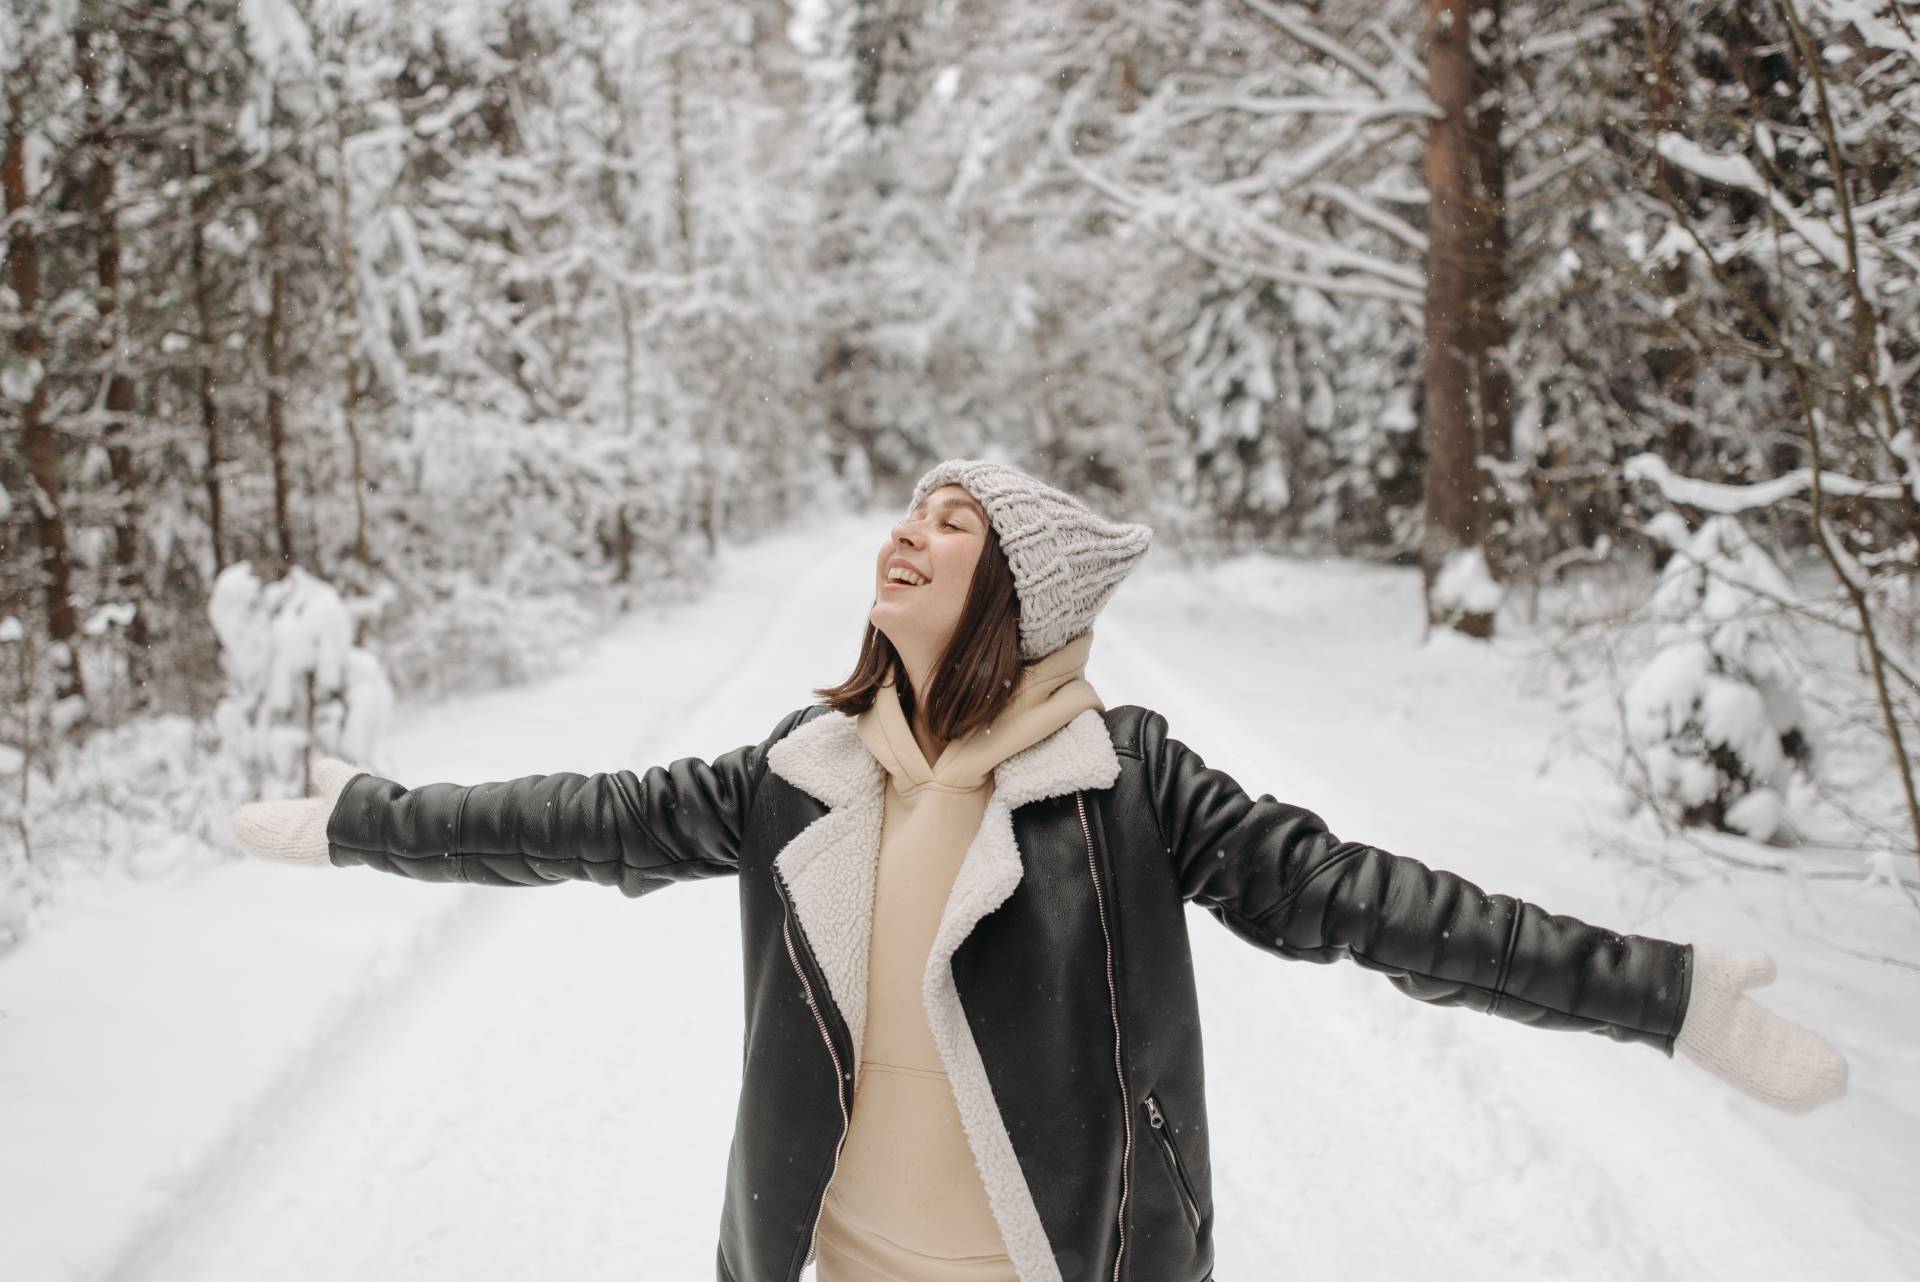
(363, 362)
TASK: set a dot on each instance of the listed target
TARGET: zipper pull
(1153, 1113)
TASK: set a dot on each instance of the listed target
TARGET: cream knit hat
(1066, 559)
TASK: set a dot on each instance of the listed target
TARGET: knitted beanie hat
(1066, 559)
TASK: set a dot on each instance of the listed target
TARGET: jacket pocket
(1170, 1153)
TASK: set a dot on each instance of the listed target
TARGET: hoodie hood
(1049, 694)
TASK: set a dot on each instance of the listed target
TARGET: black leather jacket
(1102, 1099)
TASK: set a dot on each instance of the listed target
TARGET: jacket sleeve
(680, 822)
(1277, 878)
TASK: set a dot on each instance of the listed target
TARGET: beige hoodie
(906, 1203)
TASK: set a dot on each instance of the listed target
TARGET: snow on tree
(1716, 717)
(298, 687)
(1224, 386)
(1463, 590)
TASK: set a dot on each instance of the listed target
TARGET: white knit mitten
(1737, 1040)
(295, 829)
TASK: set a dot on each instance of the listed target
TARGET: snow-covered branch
(1405, 106)
(1718, 496)
(1864, 16)
(1335, 255)
(1160, 214)
(1401, 53)
(1372, 215)
(1323, 43)
(1595, 27)
(1278, 172)
(1540, 175)
(1739, 172)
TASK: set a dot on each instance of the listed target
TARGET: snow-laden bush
(1715, 717)
(144, 800)
(297, 686)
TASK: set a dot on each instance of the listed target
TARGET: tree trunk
(1468, 393)
(1671, 360)
(622, 545)
(682, 183)
(128, 579)
(38, 442)
(276, 384)
(682, 180)
(349, 301)
(203, 309)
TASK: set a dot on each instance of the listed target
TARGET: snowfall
(259, 1071)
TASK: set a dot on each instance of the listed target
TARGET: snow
(276, 37)
(1907, 445)
(110, 614)
(1865, 17)
(20, 378)
(1465, 584)
(257, 1070)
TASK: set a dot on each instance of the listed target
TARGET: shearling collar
(830, 868)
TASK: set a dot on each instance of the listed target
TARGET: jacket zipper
(1158, 1120)
(839, 1077)
(1113, 1002)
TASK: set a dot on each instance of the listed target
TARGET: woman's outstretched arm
(1278, 878)
(1275, 875)
(636, 831)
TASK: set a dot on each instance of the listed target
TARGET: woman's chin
(896, 624)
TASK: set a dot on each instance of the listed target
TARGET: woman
(972, 1043)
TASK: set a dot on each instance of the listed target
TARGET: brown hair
(973, 678)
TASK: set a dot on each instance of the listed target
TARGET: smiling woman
(962, 668)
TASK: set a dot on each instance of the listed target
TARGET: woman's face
(942, 540)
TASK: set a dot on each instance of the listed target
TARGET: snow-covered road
(540, 1083)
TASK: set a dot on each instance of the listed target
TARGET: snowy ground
(310, 1073)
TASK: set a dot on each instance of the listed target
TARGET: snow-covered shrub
(147, 799)
(1715, 716)
(297, 686)
(453, 632)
